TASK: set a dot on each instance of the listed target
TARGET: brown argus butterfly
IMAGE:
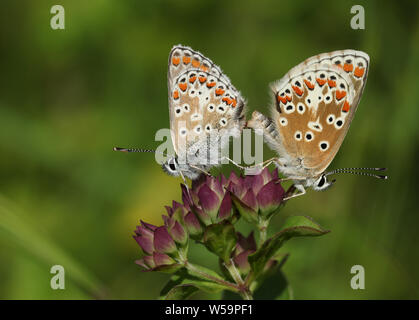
(314, 104)
(203, 107)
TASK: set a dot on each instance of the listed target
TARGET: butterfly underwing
(313, 106)
(203, 106)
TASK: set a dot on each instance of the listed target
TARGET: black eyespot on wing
(339, 123)
(323, 146)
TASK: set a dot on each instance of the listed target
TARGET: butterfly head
(173, 167)
(322, 183)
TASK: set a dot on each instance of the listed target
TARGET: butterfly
(314, 104)
(203, 107)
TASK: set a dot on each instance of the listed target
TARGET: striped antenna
(133, 150)
(137, 150)
(354, 171)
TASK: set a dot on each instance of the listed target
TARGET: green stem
(229, 285)
(263, 228)
(235, 274)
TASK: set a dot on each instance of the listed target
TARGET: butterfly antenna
(352, 171)
(133, 150)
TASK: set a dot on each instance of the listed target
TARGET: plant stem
(235, 274)
(263, 228)
(219, 280)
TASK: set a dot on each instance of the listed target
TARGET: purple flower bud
(145, 238)
(209, 201)
(256, 195)
(244, 247)
(178, 234)
(193, 225)
(163, 242)
(225, 207)
(270, 197)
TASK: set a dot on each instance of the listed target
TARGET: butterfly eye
(171, 165)
(321, 181)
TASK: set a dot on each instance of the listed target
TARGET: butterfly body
(314, 104)
(203, 107)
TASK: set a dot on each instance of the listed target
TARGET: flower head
(256, 195)
(208, 200)
(160, 250)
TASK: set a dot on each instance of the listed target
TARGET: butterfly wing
(315, 103)
(201, 100)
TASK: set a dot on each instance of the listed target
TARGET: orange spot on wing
(202, 79)
(211, 84)
(320, 81)
(234, 103)
(176, 94)
(281, 99)
(186, 59)
(289, 98)
(331, 83)
(346, 106)
(309, 84)
(175, 61)
(183, 86)
(219, 92)
(348, 67)
(192, 79)
(359, 72)
(195, 63)
(227, 100)
(338, 65)
(340, 94)
(204, 68)
(297, 90)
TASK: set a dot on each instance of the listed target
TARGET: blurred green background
(68, 96)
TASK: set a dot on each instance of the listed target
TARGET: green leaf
(181, 292)
(194, 278)
(275, 286)
(302, 226)
(296, 226)
(221, 238)
(168, 268)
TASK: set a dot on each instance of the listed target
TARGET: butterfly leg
(300, 188)
(233, 162)
(257, 168)
(199, 169)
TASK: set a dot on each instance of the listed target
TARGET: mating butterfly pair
(314, 104)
